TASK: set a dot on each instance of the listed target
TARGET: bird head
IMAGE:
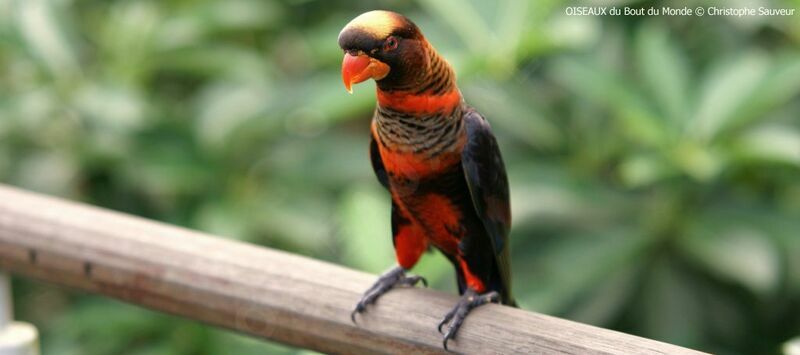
(384, 46)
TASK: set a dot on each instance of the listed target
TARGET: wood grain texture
(264, 292)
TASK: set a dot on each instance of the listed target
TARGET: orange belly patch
(415, 166)
(439, 219)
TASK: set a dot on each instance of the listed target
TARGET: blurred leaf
(127, 40)
(737, 252)
(546, 203)
(779, 86)
(228, 342)
(771, 143)
(729, 84)
(498, 35)
(241, 14)
(223, 219)
(49, 172)
(664, 70)
(521, 120)
(89, 322)
(571, 31)
(465, 19)
(672, 311)
(792, 346)
(602, 86)
(575, 266)
(112, 108)
(365, 229)
(784, 227)
(296, 223)
(325, 95)
(601, 304)
(217, 61)
(223, 107)
(699, 162)
(641, 170)
(45, 35)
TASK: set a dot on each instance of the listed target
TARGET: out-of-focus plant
(654, 161)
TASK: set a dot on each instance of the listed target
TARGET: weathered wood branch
(264, 292)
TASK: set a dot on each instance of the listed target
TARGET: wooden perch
(263, 292)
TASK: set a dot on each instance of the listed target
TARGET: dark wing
(377, 163)
(488, 187)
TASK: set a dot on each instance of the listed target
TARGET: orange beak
(357, 68)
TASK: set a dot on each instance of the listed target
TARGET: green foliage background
(654, 161)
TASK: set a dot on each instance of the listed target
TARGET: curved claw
(387, 281)
(413, 280)
(469, 300)
(450, 335)
(447, 317)
(359, 308)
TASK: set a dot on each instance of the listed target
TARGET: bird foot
(455, 318)
(394, 277)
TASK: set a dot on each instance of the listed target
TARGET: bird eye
(390, 44)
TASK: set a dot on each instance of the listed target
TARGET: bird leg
(455, 318)
(395, 276)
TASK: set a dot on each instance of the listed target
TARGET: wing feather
(488, 185)
(377, 163)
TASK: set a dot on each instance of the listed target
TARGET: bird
(439, 161)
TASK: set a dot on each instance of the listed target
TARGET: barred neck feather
(423, 117)
(429, 135)
(441, 78)
(433, 91)
(435, 76)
